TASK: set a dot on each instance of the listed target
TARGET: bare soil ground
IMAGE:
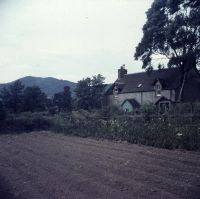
(43, 165)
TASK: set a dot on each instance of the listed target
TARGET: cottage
(160, 87)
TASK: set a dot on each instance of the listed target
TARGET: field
(43, 165)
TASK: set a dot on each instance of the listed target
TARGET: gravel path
(44, 165)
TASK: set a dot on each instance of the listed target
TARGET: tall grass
(164, 131)
(179, 128)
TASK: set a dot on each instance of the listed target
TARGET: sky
(69, 39)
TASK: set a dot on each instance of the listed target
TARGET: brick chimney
(122, 71)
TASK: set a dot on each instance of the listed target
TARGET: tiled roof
(141, 82)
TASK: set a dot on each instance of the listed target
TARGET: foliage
(12, 98)
(111, 111)
(34, 99)
(16, 98)
(148, 110)
(26, 122)
(172, 30)
(62, 100)
(89, 93)
(2, 112)
(163, 131)
(175, 130)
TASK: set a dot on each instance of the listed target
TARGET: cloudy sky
(69, 39)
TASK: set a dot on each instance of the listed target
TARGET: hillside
(48, 85)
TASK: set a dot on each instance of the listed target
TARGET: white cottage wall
(141, 97)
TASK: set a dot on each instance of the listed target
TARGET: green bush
(26, 122)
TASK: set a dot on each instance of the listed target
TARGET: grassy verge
(164, 131)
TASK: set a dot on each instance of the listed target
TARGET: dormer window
(158, 93)
(158, 88)
(115, 90)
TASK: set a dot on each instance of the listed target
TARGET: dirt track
(44, 165)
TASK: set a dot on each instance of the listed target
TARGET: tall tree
(89, 92)
(83, 94)
(63, 99)
(172, 30)
(2, 112)
(12, 97)
(34, 99)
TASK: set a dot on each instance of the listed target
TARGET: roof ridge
(158, 70)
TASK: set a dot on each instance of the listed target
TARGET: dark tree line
(16, 98)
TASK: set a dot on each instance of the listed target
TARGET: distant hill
(48, 85)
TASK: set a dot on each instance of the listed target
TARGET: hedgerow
(178, 129)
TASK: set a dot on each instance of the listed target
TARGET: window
(115, 90)
(158, 93)
(158, 89)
